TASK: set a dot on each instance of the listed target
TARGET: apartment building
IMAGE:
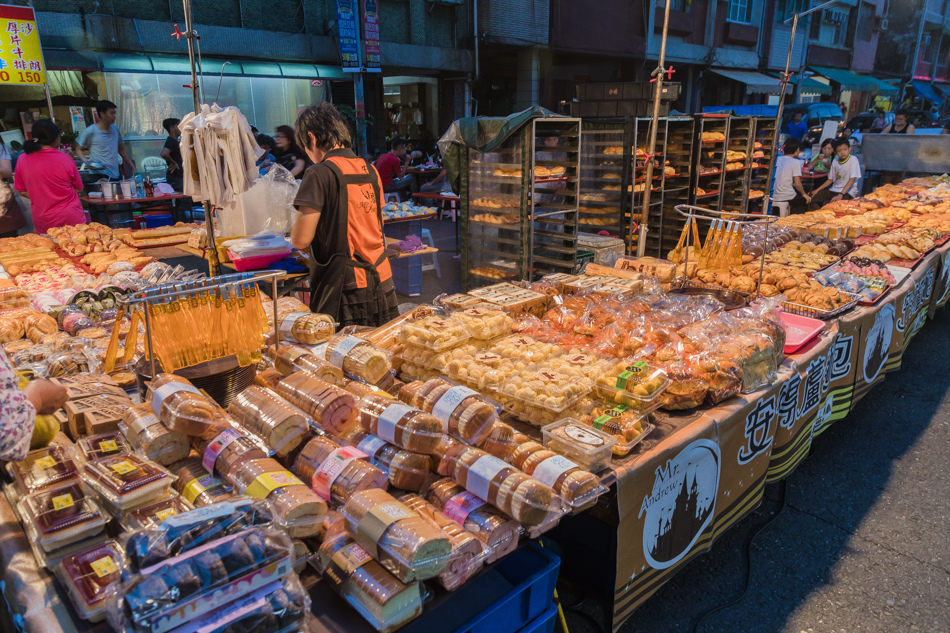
(916, 46)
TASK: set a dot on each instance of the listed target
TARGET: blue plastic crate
(153, 221)
(407, 275)
(544, 623)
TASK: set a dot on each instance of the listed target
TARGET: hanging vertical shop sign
(347, 26)
(371, 56)
(21, 56)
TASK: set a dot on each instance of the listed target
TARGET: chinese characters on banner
(349, 37)
(371, 59)
(21, 57)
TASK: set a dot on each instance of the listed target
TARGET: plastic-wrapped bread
(406, 470)
(334, 526)
(465, 413)
(196, 485)
(293, 358)
(400, 424)
(264, 413)
(269, 379)
(576, 486)
(359, 359)
(377, 595)
(148, 436)
(468, 553)
(361, 389)
(333, 408)
(504, 486)
(500, 442)
(226, 451)
(309, 328)
(336, 472)
(402, 541)
(181, 407)
(155, 512)
(298, 508)
(490, 526)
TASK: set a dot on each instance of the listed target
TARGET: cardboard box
(95, 414)
(80, 386)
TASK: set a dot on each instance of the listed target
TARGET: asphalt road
(863, 544)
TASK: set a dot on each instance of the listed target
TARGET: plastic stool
(427, 238)
(782, 206)
(448, 207)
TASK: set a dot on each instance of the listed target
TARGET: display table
(103, 204)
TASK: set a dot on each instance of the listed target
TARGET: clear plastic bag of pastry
(297, 507)
(501, 441)
(307, 328)
(188, 531)
(331, 407)
(359, 359)
(291, 358)
(402, 541)
(183, 408)
(628, 426)
(155, 512)
(516, 494)
(147, 435)
(498, 532)
(225, 452)
(165, 596)
(465, 413)
(69, 362)
(435, 333)
(687, 388)
(634, 383)
(378, 596)
(264, 413)
(577, 486)
(406, 470)
(126, 481)
(199, 487)
(43, 469)
(336, 472)
(89, 449)
(86, 576)
(400, 424)
(468, 553)
(60, 516)
(540, 396)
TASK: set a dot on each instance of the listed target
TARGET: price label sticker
(104, 566)
(63, 501)
(45, 462)
(108, 446)
(122, 468)
(167, 512)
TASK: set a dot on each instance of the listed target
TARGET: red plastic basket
(256, 263)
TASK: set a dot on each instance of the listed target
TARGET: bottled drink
(149, 188)
(139, 186)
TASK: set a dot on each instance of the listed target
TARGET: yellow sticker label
(108, 446)
(104, 566)
(63, 501)
(167, 512)
(45, 462)
(269, 482)
(122, 468)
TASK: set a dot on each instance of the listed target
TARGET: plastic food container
(298, 508)
(259, 262)
(400, 424)
(94, 447)
(336, 472)
(578, 487)
(359, 359)
(406, 470)
(402, 541)
(500, 442)
(577, 362)
(87, 575)
(434, 333)
(153, 514)
(228, 450)
(126, 481)
(378, 596)
(483, 322)
(540, 396)
(42, 469)
(57, 517)
(588, 447)
(333, 408)
(521, 347)
(183, 408)
(485, 370)
(628, 426)
(307, 327)
(292, 358)
(634, 383)
(464, 413)
(148, 436)
(264, 413)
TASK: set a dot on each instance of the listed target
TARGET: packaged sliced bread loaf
(293, 358)
(262, 412)
(298, 508)
(501, 441)
(196, 485)
(335, 471)
(226, 451)
(183, 408)
(406, 470)
(333, 408)
(400, 424)
(578, 487)
(464, 413)
(359, 359)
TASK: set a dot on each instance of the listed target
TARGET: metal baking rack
(723, 218)
(224, 284)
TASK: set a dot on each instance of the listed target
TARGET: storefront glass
(412, 109)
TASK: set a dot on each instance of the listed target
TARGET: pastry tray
(815, 313)
(799, 330)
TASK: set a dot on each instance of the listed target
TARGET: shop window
(740, 11)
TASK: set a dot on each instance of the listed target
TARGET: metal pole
(360, 105)
(49, 103)
(214, 266)
(657, 94)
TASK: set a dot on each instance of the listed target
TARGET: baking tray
(799, 330)
(731, 299)
(815, 313)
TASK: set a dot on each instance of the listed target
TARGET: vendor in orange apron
(341, 222)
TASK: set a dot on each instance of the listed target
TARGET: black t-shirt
(173, 146)
(286, 159)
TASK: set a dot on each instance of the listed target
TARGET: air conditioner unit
(834, 16)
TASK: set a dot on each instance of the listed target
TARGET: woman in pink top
(49, 178)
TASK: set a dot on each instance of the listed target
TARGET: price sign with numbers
(21, 56)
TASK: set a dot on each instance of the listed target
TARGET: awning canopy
(65, 88)
(811, 86)
(848, 80)
(943, 89)
(754, 82)
(925, 90)
(885, 88)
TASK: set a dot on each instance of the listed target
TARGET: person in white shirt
(842, 183)
(788, 178)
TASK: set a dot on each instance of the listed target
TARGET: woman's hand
(45, 396)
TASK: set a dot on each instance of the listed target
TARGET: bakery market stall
(379, 478)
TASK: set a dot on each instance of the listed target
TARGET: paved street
(862, 545)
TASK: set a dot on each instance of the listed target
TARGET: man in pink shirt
(391, 168)
(49, 178)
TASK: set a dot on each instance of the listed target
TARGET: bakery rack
(678, 151)
(605, 172)
(553, 200)
(758, 176)
(655, 212)
(709, 161)
(735, 181)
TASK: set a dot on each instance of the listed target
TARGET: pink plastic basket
(256, 263)
(799, 330)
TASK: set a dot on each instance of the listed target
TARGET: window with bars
(740, 11)
(792, 6)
